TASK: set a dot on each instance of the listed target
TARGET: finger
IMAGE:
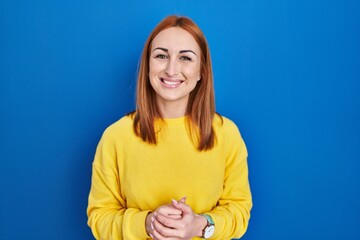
(163, 230)
(184, 208)
(183, 200)
(172, 216)
(168, 221)
(168, 210)
(156, 235)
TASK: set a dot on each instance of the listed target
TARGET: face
(174, 66)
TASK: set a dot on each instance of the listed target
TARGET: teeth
(170, 82)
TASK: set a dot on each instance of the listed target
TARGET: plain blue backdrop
(287, 72)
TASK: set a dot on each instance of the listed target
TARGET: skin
(175, 221)
(174, 71)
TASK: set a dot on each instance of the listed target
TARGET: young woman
(172, 169)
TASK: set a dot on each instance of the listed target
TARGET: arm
(232, 213)
(108, 216)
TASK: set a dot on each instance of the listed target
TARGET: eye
(185, 58)
(161, 56)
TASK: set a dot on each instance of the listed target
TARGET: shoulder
(224, 124)
(228, 135)
(123, 123)
(122, 127)
(227, 132)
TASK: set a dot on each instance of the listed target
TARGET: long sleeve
(108, 216)
(232, 213)
(131, 177)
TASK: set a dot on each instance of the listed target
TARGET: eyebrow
(181, 51)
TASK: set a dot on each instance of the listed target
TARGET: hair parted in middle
(200, 109)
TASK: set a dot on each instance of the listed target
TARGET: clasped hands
(175, 221)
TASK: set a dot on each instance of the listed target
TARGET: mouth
(171, 83)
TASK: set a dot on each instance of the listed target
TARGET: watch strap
(209, 219)
(208, 230)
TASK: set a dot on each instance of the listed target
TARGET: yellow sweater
(131, 178)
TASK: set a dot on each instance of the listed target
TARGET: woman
(172, 169)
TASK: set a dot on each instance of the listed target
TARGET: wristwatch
(208, 231)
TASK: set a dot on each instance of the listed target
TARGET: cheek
(193, 73)
(152, 74)
(156, 66)
(151, 67)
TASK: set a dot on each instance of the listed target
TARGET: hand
(186, 227)
(168, 211)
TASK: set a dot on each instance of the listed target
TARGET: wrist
(148, 223)
(209, 229)
(202, 223)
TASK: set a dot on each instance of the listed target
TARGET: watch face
(209, 231)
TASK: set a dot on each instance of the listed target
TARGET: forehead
(175, 38)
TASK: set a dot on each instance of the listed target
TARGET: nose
(172, 67)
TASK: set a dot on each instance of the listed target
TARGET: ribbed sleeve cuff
(135, 228)
(219, 222)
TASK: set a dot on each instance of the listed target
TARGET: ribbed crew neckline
(174, 121)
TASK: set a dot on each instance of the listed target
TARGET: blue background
(287, 72)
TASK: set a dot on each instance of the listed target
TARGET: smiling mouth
(171, 83)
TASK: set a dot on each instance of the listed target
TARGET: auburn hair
(200, 109)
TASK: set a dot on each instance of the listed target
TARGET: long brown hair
(200, 110)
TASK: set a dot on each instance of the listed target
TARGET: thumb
(182, 206)
(183, 200)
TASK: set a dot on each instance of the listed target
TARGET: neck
(172, 109)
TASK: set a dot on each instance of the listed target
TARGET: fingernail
(151, 235)
(174, 201)
(152, 219)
